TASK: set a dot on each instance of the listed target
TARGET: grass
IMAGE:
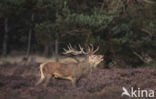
(32, 59)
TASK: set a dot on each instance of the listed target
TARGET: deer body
(70, 71)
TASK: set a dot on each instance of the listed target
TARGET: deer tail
(41, 70)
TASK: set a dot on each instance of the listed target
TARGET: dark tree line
(125, 30)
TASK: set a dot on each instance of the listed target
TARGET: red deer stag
(71, 70)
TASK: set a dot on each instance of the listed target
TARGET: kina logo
(137, 92)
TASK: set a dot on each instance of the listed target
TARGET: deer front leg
(47, 80)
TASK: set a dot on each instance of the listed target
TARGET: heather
(17, 82)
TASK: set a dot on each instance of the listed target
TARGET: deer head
(95, 60)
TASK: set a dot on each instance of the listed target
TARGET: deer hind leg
(47, 80)
(40, 81)
(42, 75)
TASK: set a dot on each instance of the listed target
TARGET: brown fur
(71, 71)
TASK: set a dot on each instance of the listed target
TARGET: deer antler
(73, 51)
(91, 50)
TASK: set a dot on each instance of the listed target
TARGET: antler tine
(70, 46)
(82, 51)
(65, 51)
(92, 47)
(96, 50)
(80, 47)
(89, 49)
(69, 49)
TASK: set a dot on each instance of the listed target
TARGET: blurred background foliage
(125, 30)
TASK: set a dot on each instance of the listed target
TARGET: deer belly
(57, 75)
